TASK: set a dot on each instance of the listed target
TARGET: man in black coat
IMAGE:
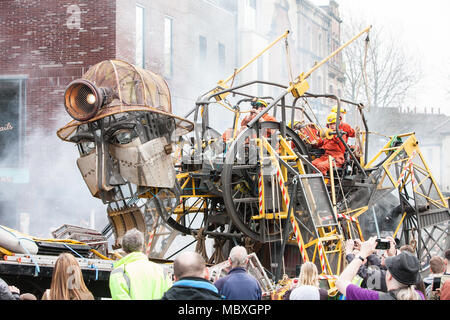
(191, 279)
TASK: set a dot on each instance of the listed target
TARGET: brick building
(46, 44)
(190, 42)
(43, 46)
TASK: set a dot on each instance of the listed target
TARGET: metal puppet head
(124, 129)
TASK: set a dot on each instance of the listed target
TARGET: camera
(383, 244)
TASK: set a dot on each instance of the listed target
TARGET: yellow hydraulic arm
(299, 87)
(222, 84)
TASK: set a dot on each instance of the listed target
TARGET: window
(319, 46)
(12, 102)
(308, 39)
(168, 49)
(140, 25)
(202, 47)
(263, 73)
(260, 76)
(222, 57)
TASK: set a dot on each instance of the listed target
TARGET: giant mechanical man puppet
(124, 128)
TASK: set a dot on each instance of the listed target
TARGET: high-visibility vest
(136, 278)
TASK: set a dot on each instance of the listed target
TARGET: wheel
(200, 217)
(427, 241)
(195, 202)
(240, 178)
(191, 213)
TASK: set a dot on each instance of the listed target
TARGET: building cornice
(314, 8)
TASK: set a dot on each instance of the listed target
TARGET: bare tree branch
(391, 74)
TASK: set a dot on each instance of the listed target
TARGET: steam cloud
(56, 193)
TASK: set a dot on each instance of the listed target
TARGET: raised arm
(346, 277)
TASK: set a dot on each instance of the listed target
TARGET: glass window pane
(10, 126)
(221, 55)
(202, 47)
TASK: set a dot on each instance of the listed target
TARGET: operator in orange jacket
(333, 146)
(258, 105)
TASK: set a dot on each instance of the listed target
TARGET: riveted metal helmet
(112, 87)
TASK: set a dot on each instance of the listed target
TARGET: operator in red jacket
(333, 146)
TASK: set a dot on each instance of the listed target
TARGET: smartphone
(383, 244)
(436, 283)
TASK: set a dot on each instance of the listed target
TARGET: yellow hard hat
(295, 123)
(335, 108)
(331, 118)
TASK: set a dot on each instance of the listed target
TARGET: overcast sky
(424, 29)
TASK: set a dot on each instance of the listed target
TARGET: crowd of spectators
(370, 274)
(391, 274)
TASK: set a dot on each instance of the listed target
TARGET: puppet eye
(87, 146)
(123, 136)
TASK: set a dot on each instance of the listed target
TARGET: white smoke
(56, 193)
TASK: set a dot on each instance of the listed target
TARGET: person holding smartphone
(433, 281)
(401, 276)
(436, 290)
(372, 272)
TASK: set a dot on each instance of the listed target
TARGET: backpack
(390, 295)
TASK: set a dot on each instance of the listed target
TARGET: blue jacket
(239, 285)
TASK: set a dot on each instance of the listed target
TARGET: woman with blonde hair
(67, 281)
(308, 285)
(309, 275)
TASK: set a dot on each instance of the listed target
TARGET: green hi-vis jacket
(135, 277)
